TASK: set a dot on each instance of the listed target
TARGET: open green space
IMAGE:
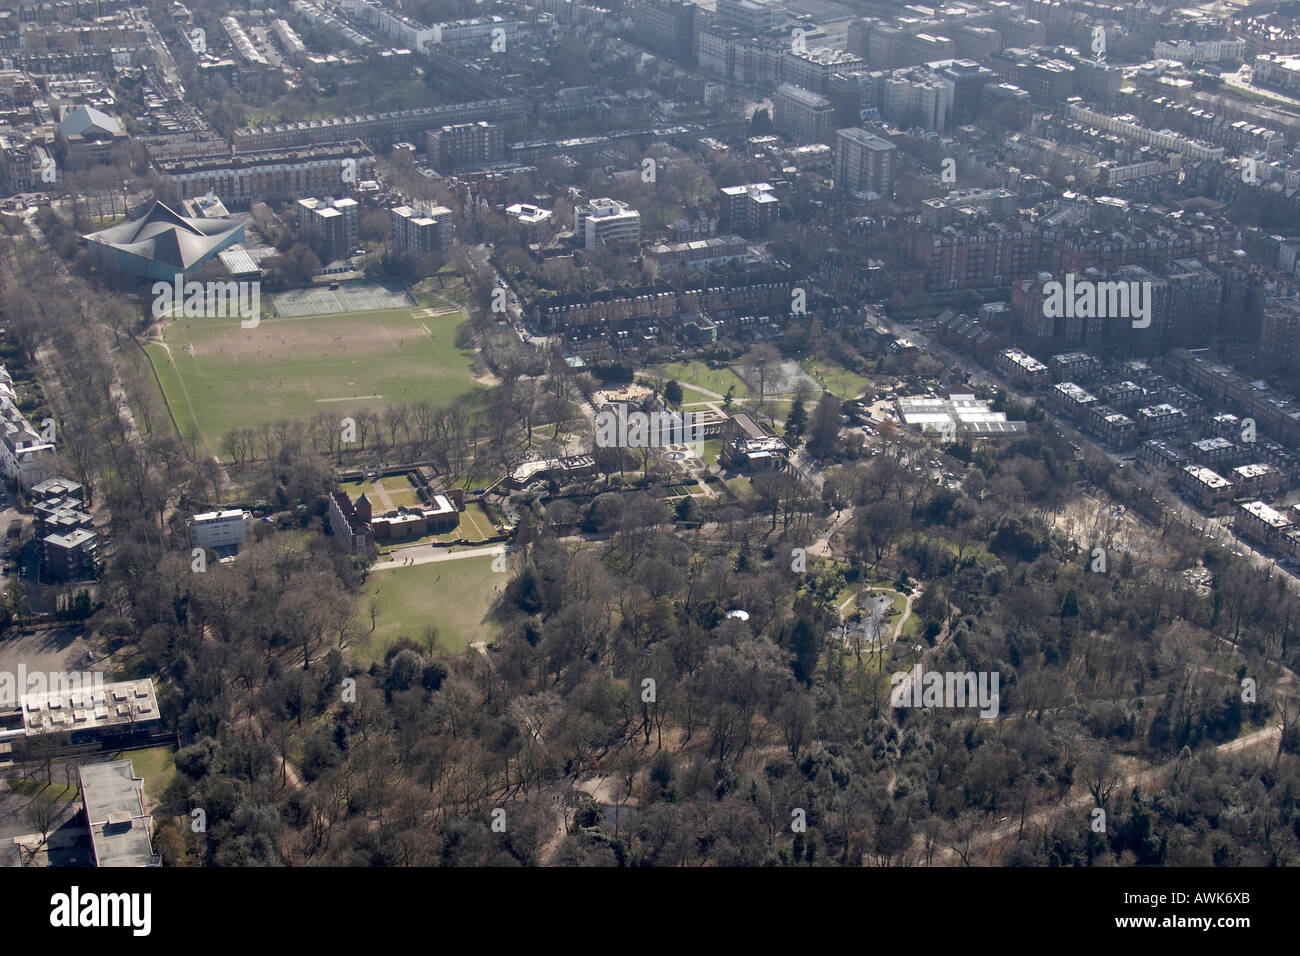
(836, 379)
(156, 766)
(452, 596)
(386, 494)
(742, 487)
(475, 525)
(32, 787)
(219, 376)
(698, 373)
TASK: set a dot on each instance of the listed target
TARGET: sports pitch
(219, 376)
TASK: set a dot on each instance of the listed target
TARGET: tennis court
(348, 297)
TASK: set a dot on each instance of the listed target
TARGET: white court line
(354, 398)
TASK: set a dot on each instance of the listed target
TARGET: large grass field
(220, 376)
(453, 596)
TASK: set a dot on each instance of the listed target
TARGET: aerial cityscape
(649, 433)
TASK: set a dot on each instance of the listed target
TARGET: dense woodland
(299, 756)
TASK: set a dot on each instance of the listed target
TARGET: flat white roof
(233, 514)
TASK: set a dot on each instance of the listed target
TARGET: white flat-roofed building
(112, 797)
(222, 529)
(1154, 453)
(955, 415)
(564, 469)
(1201, 51)
(1257, 478)
(420, 230)
(475, 31)
(1070, 399)
(605, 220)
(1208, 487)
(116, 708)
(1163, 419)
(1214, 450)
(528, 215)
(1021, 368)
(1075, 366)
(1114, 428)
(1260, 523)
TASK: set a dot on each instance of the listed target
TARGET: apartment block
(666, 26)
(811, 69)
(1206, 487)
(1075, 366)
(221, 529)
(72, 555)
(750, 209)
(58, 515)
(243, 178)
(1114, 428)
(379, 129)
(1216, 451)
(465, 144)
(1201, 51)
(601, 221)
(26, 456)
(1161, 420)
(802, 115)
(864, 162)
(1255, 521)
(1154, 453)
(1257, 479)
(1020, 368)
(1070, 399)
(329, 226)
(420, 230)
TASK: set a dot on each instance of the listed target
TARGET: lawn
(837, 379)
(30, 788)
(452, 596)
(387, 494)
(220, 376)
(742, 487)
(470, 482)
(475, 525)
(155, 766)
(698, 373)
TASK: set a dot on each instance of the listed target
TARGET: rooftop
(97, 706)
(113, 797)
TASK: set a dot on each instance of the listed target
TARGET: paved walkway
(425, 554)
